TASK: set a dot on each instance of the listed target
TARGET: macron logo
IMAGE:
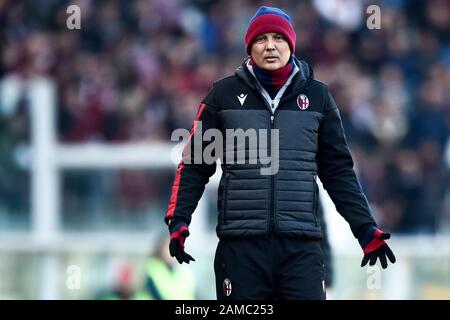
(242, 98)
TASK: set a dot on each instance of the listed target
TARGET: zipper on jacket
(315, 199)
(225, 200)
(272, 112)
(272, 180)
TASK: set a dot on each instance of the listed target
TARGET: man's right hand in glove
(178, 233)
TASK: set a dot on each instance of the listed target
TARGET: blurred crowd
(137, 70)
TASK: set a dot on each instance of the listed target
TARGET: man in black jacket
(268, 226)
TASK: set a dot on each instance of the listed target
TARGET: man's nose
(270, 44)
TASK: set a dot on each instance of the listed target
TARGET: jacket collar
(299, 83)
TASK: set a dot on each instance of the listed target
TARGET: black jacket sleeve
(335, 169)
(192, 175)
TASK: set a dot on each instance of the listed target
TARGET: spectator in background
(164, 278)
(122, 288)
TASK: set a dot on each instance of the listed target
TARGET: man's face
(270, 51)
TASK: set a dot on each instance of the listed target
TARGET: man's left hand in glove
(372, 242)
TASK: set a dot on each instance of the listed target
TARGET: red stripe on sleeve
(176, 184)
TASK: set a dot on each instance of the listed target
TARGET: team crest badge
(227, 287)
(302, 101)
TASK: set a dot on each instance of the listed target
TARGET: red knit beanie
(268, 19)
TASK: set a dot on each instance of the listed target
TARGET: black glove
(178, 233)
(372, 242)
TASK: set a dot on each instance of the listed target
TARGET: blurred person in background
(164, 278)
(268, 226)
(122, 288)
(14, 176)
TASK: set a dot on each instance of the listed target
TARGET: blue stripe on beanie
(270, 10)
